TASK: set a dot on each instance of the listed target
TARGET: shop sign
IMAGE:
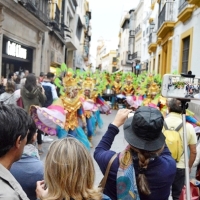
(16, 50)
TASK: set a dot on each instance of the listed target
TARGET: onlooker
(2, 87)
(145, 167)
(9, 96)
(50, 89)
(31, 94)
(29, 169)
(173, 120)
(69, 173)
(14, 126)
(12, 76)
(42, 76)
(23, 80)
(18, 85)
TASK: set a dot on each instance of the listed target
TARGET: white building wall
(194, 22)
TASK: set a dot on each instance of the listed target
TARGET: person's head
(12, 76)
(30, 82)
(174, 105)
(42, 74)
(50, 76)
(87, 92)
(14, 126)
(10, 87)
(75, 92)
(26, 73)
(18, 79)
(32, 135)
(144, 134)
(69, 171)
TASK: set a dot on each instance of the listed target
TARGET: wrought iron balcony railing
(182, 6)
(167, 14)
(135, 55)
(131, 33)
(33, 6)
(137, 29)
(57, 14)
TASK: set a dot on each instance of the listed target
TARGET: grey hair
(174, 105)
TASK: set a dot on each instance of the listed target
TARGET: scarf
(126, 181)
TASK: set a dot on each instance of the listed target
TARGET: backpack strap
(165, 125)
(179, 127)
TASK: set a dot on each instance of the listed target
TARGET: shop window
(185, 54)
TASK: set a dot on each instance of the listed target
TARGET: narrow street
(118, 145)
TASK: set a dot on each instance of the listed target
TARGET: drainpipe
(42, 50)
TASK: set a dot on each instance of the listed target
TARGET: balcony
(153, 2)
(114, 61)
(152, 45)
(33, 7)
(185, 11)
(134, 56)
(195, 2)
(137, 29)
(166, 20)
(131, 33)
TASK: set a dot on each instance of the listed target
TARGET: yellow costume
(71, 103)
(128, 89)
(117, 85)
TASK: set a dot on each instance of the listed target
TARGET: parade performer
(129, 91)
(128, 88)
(89, 107)
(73, 107)
(61, 118)
(116, 87)
(152, 96)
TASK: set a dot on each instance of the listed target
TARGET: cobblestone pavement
(118, 145)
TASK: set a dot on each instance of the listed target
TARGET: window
(185, 55)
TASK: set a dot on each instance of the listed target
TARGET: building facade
(39, 35)
(22, 27)
(175, 29)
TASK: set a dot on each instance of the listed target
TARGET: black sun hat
(144, 129)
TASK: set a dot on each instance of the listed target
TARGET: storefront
(15, 56)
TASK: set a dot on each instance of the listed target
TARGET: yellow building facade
(171, 42)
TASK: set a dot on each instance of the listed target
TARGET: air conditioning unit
(56, 58)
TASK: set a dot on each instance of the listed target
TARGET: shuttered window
(185, 56)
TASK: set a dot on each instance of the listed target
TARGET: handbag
(193, 190)
(104, 179)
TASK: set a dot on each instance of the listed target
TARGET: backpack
(49, 96)
(174, 141)
(137, 67)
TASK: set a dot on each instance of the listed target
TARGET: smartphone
(179, 87)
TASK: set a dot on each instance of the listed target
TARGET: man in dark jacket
(50, 89)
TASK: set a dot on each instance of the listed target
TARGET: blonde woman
(69, 173)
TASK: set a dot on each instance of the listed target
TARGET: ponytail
(144, 157)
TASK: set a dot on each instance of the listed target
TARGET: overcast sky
(106, 17)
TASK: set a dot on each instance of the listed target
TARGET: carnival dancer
(129, 90)
(89, 107)
(61, 118)
(73, 106)
(153, 94)
(116, 87)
